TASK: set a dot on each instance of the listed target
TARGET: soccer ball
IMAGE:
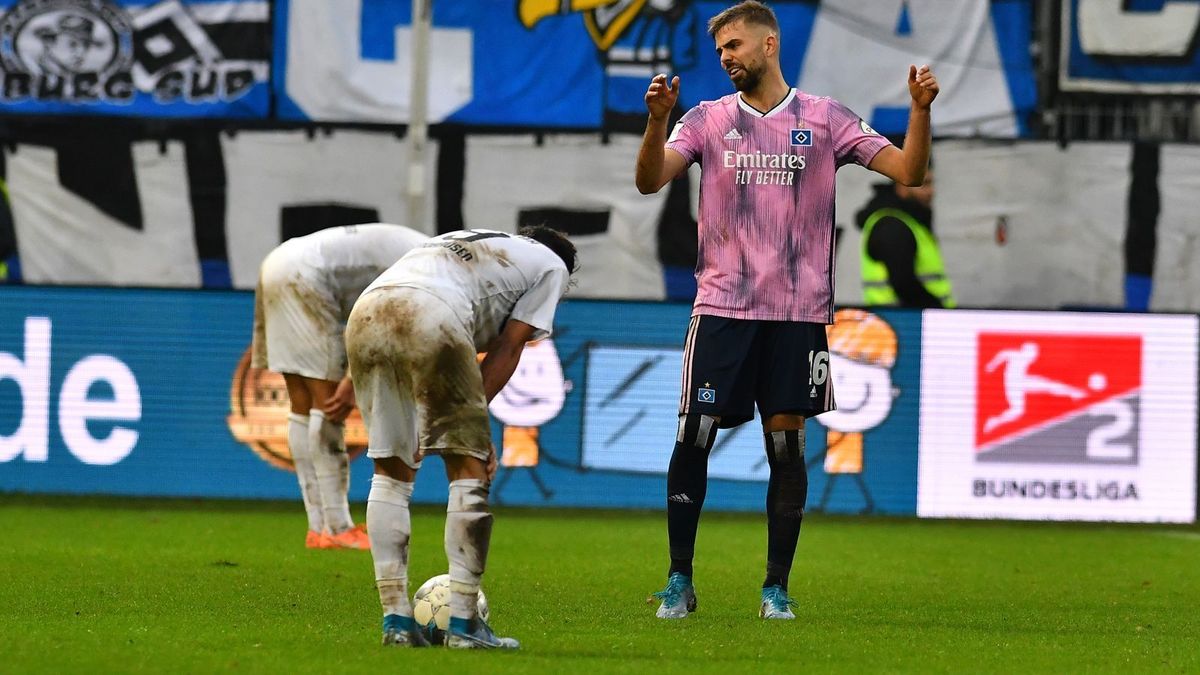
(431, 607)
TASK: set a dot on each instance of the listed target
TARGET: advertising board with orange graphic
(1095, 421)
(862, 350)
(258, 415)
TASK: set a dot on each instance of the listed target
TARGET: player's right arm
(656, 164)
(503, 355)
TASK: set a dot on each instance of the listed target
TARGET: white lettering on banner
(163, 50)
(328, 79)
(1107, 29)
(33, 381)
(75, 408)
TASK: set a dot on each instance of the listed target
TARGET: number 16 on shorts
(818, 370)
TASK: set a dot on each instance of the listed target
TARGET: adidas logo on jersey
(681, 498)
(733, 135)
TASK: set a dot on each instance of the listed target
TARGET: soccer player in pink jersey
(768, 154)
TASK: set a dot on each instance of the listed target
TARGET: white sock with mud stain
(389, 527)
(306, 473)
(468, 534)
(328, 446)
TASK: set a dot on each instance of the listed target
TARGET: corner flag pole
(418, 116)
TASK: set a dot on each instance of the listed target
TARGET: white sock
(468, 533)
(306, 474)
(332, 468)
(389, 528)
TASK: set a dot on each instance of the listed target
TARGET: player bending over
(412, 340)
(306, 287)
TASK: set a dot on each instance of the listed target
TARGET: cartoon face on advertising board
(533, 396)
(862, 350)
(535, 393)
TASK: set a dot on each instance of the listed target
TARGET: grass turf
(106, 585)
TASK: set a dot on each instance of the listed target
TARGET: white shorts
(296, 320)
(416, 378)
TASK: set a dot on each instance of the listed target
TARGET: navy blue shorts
(729, 365)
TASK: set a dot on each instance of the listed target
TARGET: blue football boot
(402, 631)
(678, 598)
(776, 604)
(476, 634)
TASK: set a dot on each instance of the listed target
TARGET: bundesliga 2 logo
(1058, 399)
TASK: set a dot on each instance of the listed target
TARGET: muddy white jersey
(346, 259)
(486, 277)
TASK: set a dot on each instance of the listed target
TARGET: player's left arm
(503, 355)
(908, 166)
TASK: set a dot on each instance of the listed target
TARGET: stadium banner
(148, 58)
(1005, 238)
(283, 184)
(512, 181)
(586, 63)
(1176, 274)
(156, 399)
(1058, 416)
(125, 219)
(1136, 46)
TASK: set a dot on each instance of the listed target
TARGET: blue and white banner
(580, 64)
(1131, 46)
(164, 58)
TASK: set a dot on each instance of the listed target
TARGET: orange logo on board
(258, 417)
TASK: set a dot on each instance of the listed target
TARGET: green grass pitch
(106, 585)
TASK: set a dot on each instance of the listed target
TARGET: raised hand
(661, 97)
(922, 85)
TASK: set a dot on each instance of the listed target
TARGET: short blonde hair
(749, 11)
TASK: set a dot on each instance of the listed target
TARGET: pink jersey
(766, 202)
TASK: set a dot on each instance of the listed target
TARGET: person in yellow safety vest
(900, 259)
